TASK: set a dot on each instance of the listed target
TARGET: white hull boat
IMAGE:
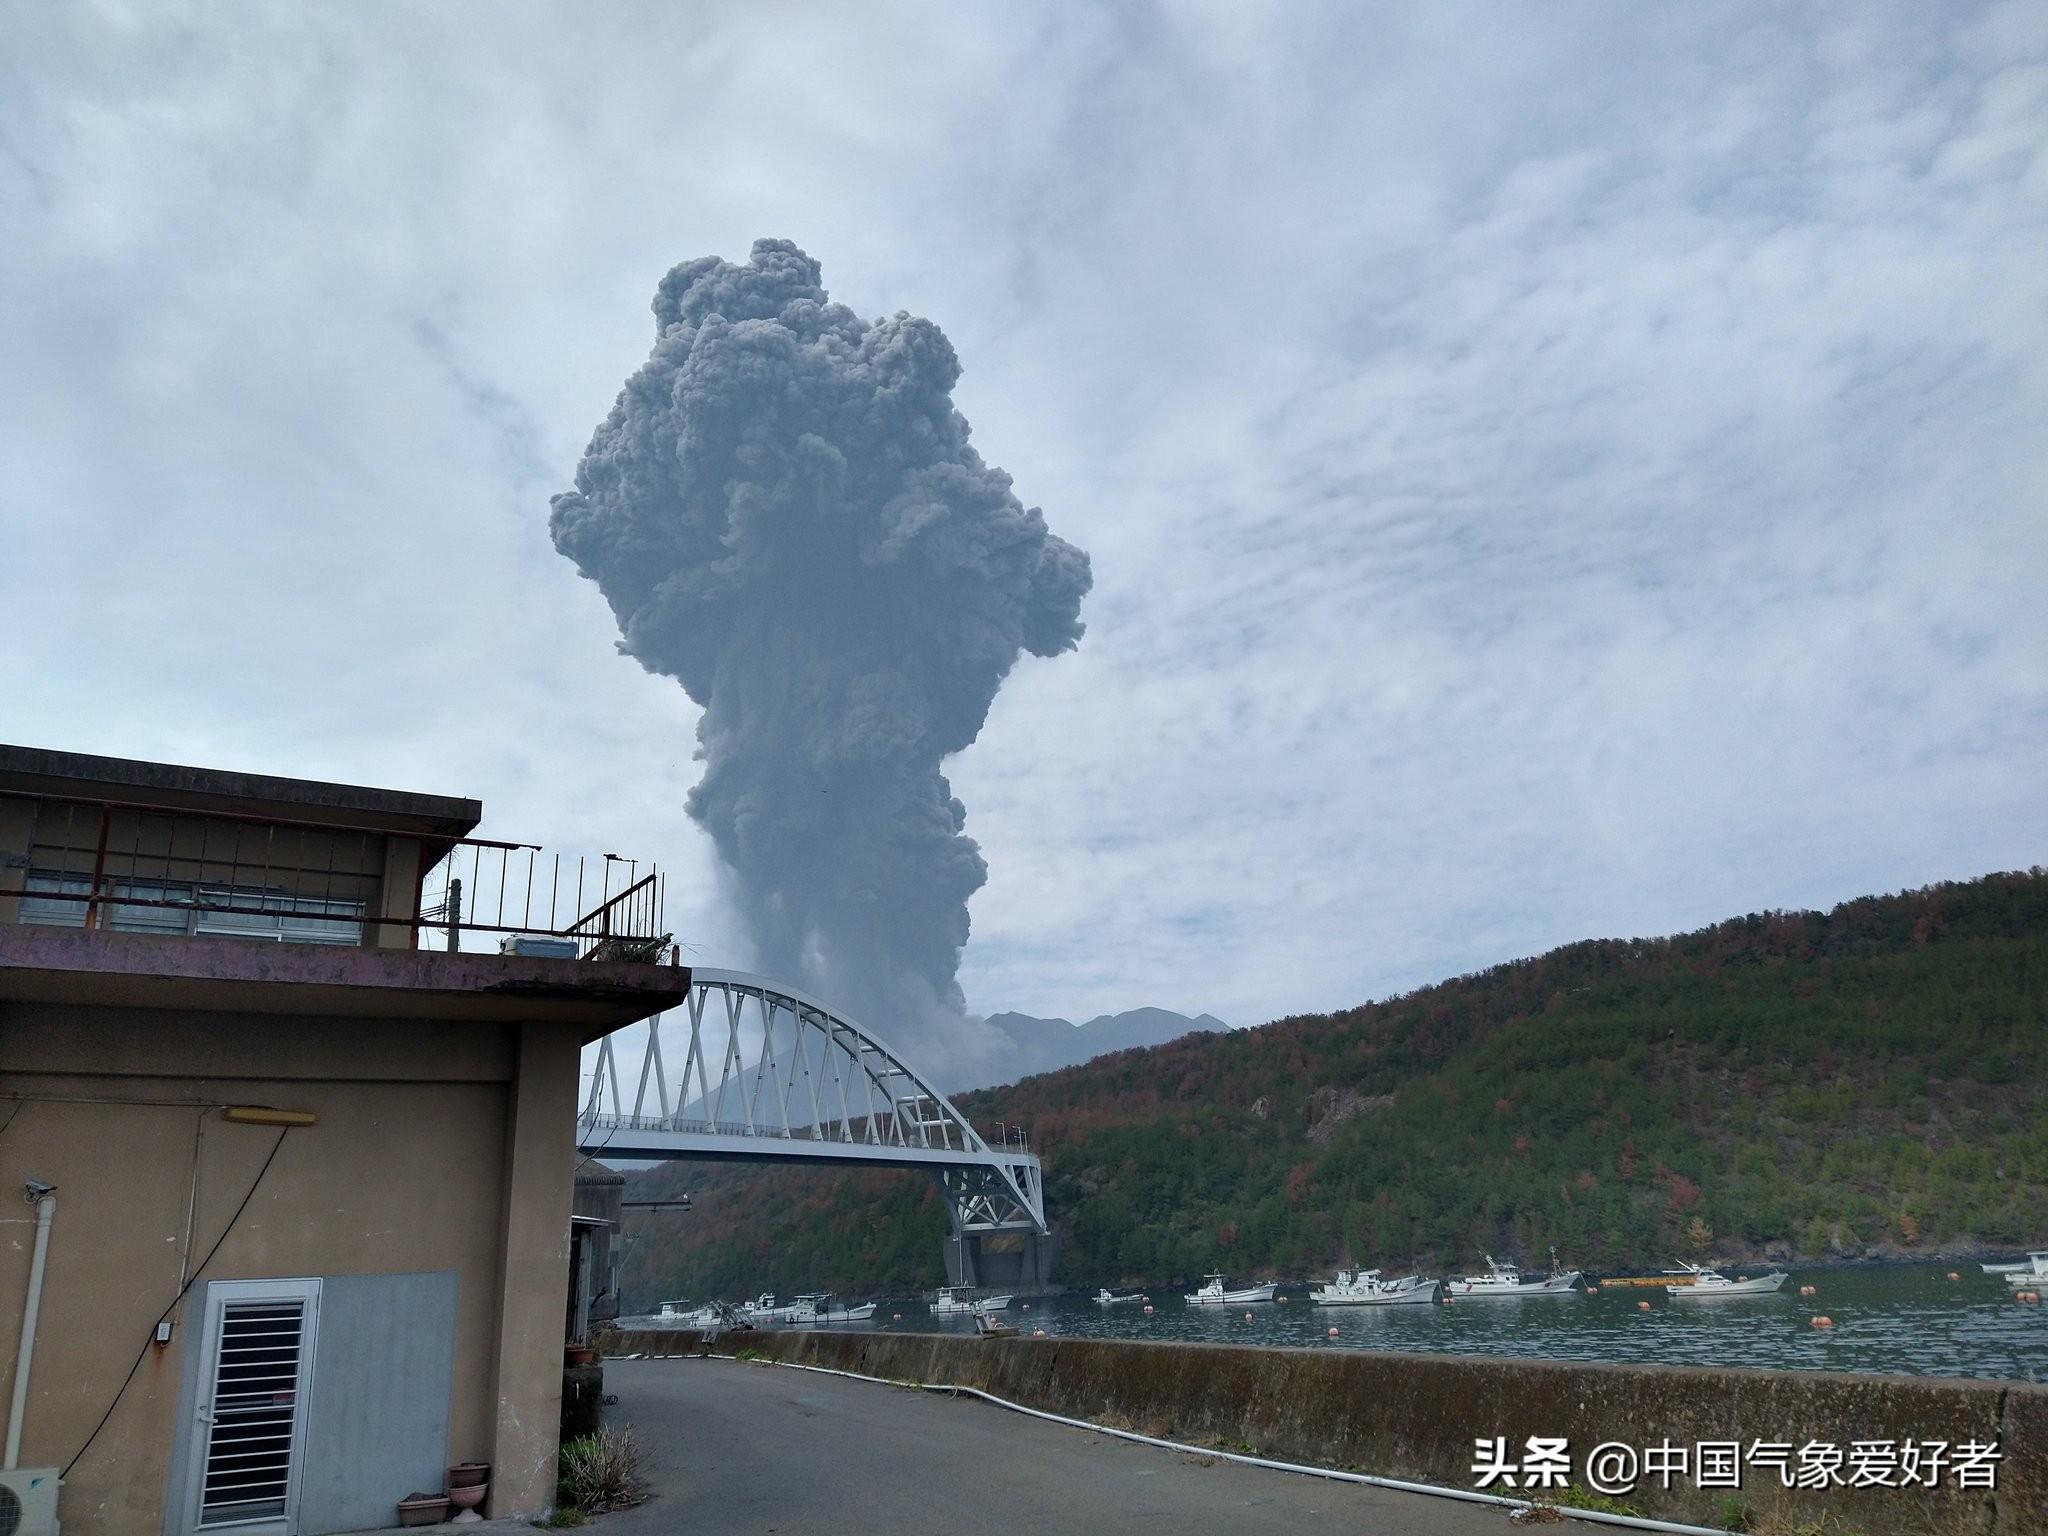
(1365, 1288)
(1108, 1298)
(680, 1314)
(1217, 1294)
(1505, 1280)
(819, 1307)
(960, 1298)
(1709, 1285)
(766, 1309)
(2034, 1267)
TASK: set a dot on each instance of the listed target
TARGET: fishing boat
(1365, 1288)
(824, 1308)
(682, 1315)
(1506, 1280)
(993, 1327)
(1217, 1294)
(1108, 1298)
(1710, 1285)
(766, 1309)
(960, 1298)
(2033, 1267)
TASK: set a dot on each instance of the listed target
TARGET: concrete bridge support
(1018, 1261)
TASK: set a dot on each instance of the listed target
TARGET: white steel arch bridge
(753, 1069)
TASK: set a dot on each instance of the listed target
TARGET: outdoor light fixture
(263, 1114)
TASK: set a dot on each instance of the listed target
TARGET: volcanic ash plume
(786, 516)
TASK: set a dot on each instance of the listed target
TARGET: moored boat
(824, 1308)
(1217, 1294)
(766, 1309)
(1502, 1280)
(1365, 1288)
(961, 1298)
(1108, 1298)
(682, 1315)
(2022, 1271)
(1710, 1285)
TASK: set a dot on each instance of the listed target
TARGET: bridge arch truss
(749, 1068)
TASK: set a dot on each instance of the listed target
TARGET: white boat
(1710, 1285)
(2033, 1267)
(682, 1315)
(1506, 1280)
(1365, 1288)
(1217, 1294)
(960, 1298)
(1107, 1298)
(824, 1309)
(766, 1309)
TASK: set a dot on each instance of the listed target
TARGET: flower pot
(577, 1354)
(465, 1499)
(423, 1509)
(467, 1474)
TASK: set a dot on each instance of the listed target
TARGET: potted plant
(423, 1509)
(577, 1354)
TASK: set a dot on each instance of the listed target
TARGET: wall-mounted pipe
(44, 1198)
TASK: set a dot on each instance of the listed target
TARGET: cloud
(1545, 475)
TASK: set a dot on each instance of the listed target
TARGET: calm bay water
(1907, 1319)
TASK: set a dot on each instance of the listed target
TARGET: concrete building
(308, 1232)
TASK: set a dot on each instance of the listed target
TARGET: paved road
(731, 1447)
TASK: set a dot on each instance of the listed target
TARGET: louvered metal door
(249, 1445)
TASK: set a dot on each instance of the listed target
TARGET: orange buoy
(1592, 1290)
(1806, 1290)
(1642, 1306)
(1148, 1311)
(1038, 1333)
(1247, 1317)
(1953, 1275)
(1027, 1306)
(1823, 1322)
(1333, 1333)
(1279, 1298)
(2030, 1296)
(896, 1317)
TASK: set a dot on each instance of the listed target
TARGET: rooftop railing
(127, 868)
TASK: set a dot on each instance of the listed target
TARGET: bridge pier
(1018, 1261)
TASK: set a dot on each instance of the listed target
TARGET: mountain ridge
(1800, 1085)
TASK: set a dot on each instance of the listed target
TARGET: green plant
(599, 1472)
(1732, 1512)
(565, 1517)
(1573, 1497)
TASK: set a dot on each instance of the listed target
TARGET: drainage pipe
(1399, 1485)
(44, 1199)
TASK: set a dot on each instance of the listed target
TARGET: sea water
(1905, 1319)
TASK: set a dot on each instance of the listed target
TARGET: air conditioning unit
(28, 1501)
(537, 946)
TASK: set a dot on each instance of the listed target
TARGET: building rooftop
(132, 781)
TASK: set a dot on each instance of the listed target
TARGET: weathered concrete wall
(1416, 1415)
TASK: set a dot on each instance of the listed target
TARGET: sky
(1548, 472)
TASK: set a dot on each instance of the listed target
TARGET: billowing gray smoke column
(786, 516)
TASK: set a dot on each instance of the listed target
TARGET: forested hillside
(1868, 1080)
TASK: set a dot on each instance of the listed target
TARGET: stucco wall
(404, 1172)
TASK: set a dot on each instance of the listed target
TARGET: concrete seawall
(1416, 1416)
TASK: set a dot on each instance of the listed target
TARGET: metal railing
(110, 865)
(487, 888)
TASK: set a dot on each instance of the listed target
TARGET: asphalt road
(744, 1448)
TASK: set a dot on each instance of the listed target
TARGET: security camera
(37, 1189)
